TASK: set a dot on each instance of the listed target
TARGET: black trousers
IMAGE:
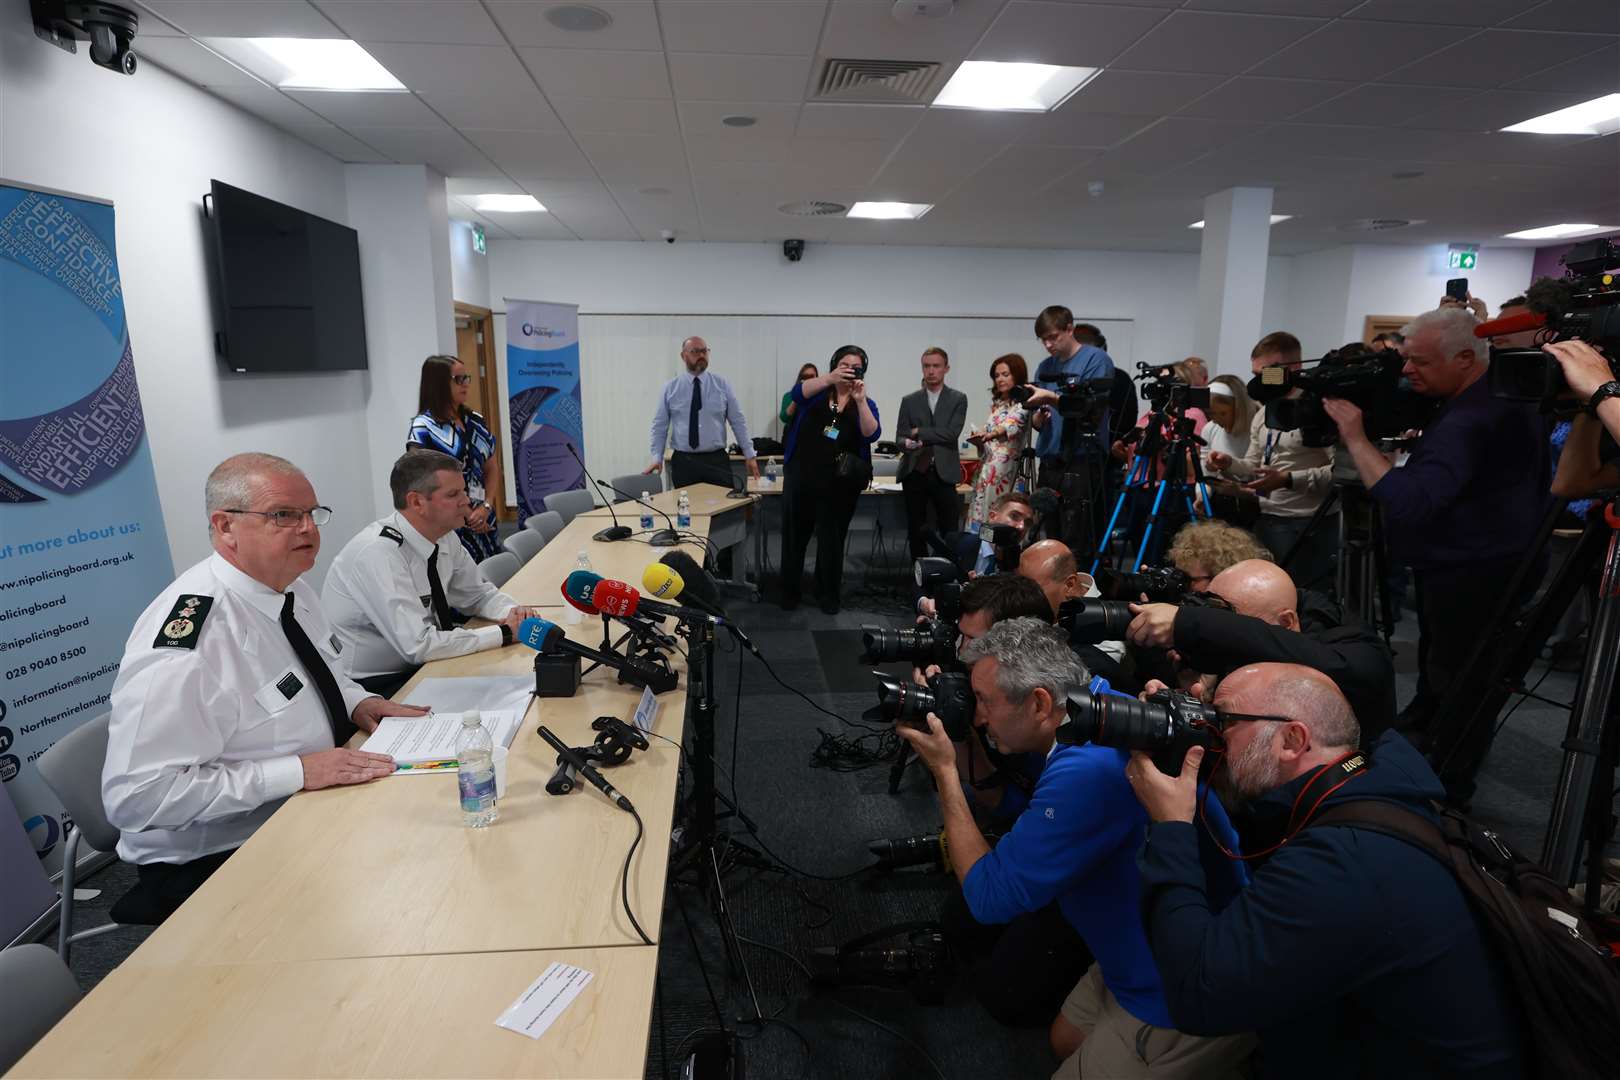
(710, 467)
(387, 685)
(815, 505)
(1020, 971)
(923, 489)
(162, 887)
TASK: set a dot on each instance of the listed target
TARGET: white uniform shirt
(206, 733)
(377, 595)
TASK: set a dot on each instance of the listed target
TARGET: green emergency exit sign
(1462, 260)
(478, 240)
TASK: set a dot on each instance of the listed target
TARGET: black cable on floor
(813, 704)
(624, 880)
(1523, 697)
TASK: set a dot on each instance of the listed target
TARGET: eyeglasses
(461, 380)
(291, 519)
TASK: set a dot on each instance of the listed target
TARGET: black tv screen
(290, 285)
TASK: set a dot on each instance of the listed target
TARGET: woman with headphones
(827, 455)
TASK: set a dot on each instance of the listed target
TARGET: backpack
(1566, 979)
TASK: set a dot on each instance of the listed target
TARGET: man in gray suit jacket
(927, 431)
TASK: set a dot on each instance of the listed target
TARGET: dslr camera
(1370, 380)
(940, 580)
(1161, 585)
(932, 641)
(1583, 305)
(1090, 621)
(948, 696)
(1165, 726)
(1080, 401)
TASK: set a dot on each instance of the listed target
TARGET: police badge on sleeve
(184, 624)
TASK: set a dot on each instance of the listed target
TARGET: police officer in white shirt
(391, 589)
(232, 693)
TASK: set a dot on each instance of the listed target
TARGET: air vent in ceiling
(812, 208)
(1378, 224)
(878, 80)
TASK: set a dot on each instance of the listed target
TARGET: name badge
(831, 431)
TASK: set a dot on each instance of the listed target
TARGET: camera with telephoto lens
(1369, 380)
(1584, 305)
(932, 641)
(941, 581)
(1161, 585)
(1168, 393)
(920, 960)
(1165, 726)
(1080, 401)
(948, 696)
(1090, 621)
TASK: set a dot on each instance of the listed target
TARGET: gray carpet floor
(820, 821)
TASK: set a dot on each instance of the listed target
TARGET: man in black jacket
(1267, 627)
(1352, 953)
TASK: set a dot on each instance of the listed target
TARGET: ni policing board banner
(82, 544)
(543, 398)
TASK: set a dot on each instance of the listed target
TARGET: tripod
(1362, 579)
(1183, 476)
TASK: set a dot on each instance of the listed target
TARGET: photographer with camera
(1353, 953)
(1291, 478)
(1587, 372)
(1072, 388)
(1462, 512)
(1266, 627)
(1202, 549)
(1076, 845)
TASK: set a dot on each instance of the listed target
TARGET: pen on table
(447, 764)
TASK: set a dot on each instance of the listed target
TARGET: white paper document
(415, 740)
(491, 693)
(888, 486)
(538, 1007)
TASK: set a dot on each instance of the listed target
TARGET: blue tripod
(1183, 475)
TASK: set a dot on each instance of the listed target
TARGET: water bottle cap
(584, 555)
(470, 718)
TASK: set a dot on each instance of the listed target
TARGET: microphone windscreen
(538, 634)
(700, 589)
(1511, 324)
(580, 588)
(662, 582)
(615, 598)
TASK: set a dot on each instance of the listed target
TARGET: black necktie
(697, 407)
(315, 666)
(441, 606)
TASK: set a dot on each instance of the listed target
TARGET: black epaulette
(184, 625)
(392, 533)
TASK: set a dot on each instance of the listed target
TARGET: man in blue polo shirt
(1076, 844)
(1071, 353)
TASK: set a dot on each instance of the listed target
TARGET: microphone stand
(662, 537)
(615, 531)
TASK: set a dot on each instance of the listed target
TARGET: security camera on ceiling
(109, 28)
(906, 10)
(793, 250)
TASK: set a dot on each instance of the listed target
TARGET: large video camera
(1165, 726)
(1081, 402)
(948, 696)
(1584, 305)
(1168, 393)
(1370, 380)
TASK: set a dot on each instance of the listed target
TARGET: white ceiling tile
(232, 18)
(1174, 140)
(340, 144)
(1492, 148)
(192, 61)
(860, 29)
(1069, 128)
(702, 150)
(1326, 9)
(270, 104)
(649, 117)
(720, 26)
(1490, 110)
(1088, 35)
(1140, 93)
(453, 69)
(1370, 49)
(518, 110)
(675, 210)
(1453, 12)
(593, 226)
(1214, 42)
(1495, 57)
(446, 150)
(772, 119)
(634, 26)
(1576, 16)
(534, 226)
(1594, 74)
(524, 154)
(578, 73)
(1378, 103)
(628, 157)
(469, 186)
(452, 22)
(1349, 141)
(718, 77)
(830, 121)
(367, 109)
(1261, 98)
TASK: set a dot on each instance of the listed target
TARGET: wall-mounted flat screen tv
(290, 287)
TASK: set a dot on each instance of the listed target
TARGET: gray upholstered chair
(570, 504)
(36, 990)
(548, 523)
(499, 568)
(72, 768)
(645, 485)
(524, 544)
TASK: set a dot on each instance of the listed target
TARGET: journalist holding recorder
(1351, 952)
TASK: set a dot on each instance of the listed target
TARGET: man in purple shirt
(1462, 512)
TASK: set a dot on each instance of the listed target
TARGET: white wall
(151, 144)
(469, 270)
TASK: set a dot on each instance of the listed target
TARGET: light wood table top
(707, 500)
(388, 869)
(763, 487)
(538, 582)
(430, 1016)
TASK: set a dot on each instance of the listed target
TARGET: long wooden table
(727, 521)
(363, 931)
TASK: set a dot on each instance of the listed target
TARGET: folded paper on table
(428, 743)
(538, 1007)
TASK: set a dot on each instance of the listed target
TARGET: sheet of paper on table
(415, 740)
(486, 693)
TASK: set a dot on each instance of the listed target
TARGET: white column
(1232, 277)
(401, 215)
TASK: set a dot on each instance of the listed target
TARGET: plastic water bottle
(683, 512)
(772, 471)
(475, 772)
(571, 614)
(646, 519)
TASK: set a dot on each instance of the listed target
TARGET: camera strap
(1335, 773)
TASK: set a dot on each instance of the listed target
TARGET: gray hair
(232, 484)
(1453, 328)
(1030, 653)
(418, 471)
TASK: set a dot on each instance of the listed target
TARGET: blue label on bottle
(477, 795)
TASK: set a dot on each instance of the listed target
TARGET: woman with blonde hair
(1230, 413)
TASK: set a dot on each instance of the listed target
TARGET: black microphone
(548, 638)
(615, 531)
(701, 591)
(567, 756)
(663, 537)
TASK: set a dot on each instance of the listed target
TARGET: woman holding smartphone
(444, 423)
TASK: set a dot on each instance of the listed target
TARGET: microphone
(615, 531)
(548, 639)
(661, 580)
(1511, 324)
(620, 598)
(567, 756)
(663, 537)
(702, 591)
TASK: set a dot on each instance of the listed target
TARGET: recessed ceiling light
(1274, 219)
(739, 121)
(579, 18)
(1600, 116)
(890, 211)
(506, 204)
(1555, 232)
(310, 63)
(1011, 87)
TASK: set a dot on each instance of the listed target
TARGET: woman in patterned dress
(444, 423)
(1001, 441)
